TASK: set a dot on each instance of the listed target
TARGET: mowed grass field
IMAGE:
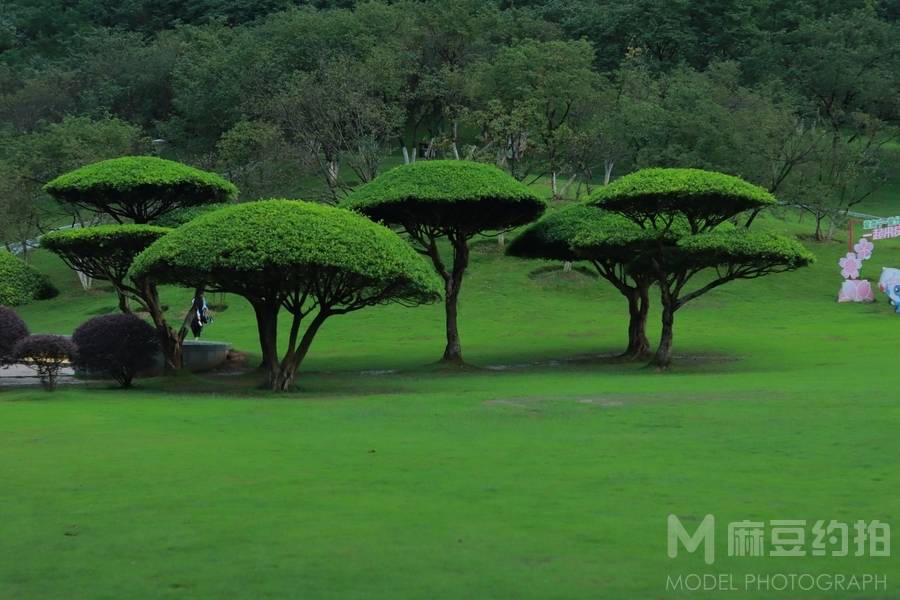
(545, 472)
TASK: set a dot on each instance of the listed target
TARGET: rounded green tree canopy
(704, 198)
(746, 248)
(555, 235)
(105, 251)
(289, 245)
(447, 194)
(141, 188)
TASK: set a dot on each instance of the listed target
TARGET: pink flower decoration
(850, 266)
(864, 249)
(856, 291)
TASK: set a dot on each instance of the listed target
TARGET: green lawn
(547, 473)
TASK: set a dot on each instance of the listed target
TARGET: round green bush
(20, 283)
(447, 193)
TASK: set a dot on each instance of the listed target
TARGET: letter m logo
(705, 534)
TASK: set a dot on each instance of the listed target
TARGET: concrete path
(22, 375)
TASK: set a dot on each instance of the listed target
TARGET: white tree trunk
(84, 280)
(608, 165)
(567, 266)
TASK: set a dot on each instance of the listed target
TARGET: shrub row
(120, 345)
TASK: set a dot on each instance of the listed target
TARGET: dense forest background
(307, 99)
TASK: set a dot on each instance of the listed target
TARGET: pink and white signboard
(886, 233)
(854, 289)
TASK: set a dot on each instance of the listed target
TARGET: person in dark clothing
(200, 317)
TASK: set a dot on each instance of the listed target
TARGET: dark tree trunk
(663, 357)
(453, 350)
(168, 338)
(123, 302)
(283, 379)
(267, 328)
(452, 284)
(638, 307)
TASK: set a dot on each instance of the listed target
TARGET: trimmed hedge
(12, 329)
(285, 240)
(20, 283)
(139, 187)
(444, 192)
(120, 345)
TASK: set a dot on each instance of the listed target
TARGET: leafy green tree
(614, 252)
(447, 199)
(312, 260)
(551, 80)
(140, 188)
(255, 155)
(681, 213)
(354, 131)
(29, 159)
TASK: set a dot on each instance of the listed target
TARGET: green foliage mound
(139, 187)
(20, 283)
(246, 246)
(553, 237)
(746, 247)
(445, 192)
(102, 252)
(694, 193)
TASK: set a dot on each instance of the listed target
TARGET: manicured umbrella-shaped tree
(614, 254)
(314, 261)
(105, 253)
(131, 188)
(139, 188)
(447, 199)
(683, 214)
